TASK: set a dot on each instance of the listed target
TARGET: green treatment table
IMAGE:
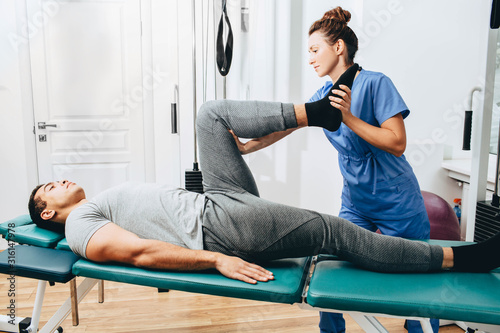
(320, 284)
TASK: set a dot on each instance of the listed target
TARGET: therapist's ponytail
(333, 26)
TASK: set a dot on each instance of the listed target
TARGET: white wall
(435, 54)
(421, 46)
(17, 172)
(295, 171)
(164, 61)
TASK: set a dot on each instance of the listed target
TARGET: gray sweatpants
(238, 222)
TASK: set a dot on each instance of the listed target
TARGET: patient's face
(60, 194)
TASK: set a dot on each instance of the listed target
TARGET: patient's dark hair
(333, 26)
(36, 207)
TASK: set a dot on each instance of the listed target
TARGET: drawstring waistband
(369, 158)
(374, 174)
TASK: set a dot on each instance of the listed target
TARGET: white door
(87, 91)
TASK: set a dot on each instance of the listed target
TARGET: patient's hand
(112, 243)
(246, 147)
(238, 269)
(259, 143)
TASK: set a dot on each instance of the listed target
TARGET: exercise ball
(444, 221)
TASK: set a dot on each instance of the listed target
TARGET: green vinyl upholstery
(290, 276)
(38, 263)
(335, 284)
(23, 231)
(449, 295)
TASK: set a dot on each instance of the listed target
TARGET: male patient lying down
(229, 226)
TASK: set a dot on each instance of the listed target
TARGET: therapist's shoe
(414, 326)
(321, 113)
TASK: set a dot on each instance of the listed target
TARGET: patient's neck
(63, 214)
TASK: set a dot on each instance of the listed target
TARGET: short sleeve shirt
(150, 211)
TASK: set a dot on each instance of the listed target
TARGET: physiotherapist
(380, 190)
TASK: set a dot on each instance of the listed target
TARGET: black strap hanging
(495, 15)
(224, 56)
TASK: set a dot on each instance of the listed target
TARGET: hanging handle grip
(467, 130)
(173, 117)
(224, 53)
(173, 112)
(468, 121)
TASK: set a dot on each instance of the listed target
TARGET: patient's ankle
(448, 261)
(300, 115)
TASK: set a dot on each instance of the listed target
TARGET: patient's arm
(265, 141)
(113, 243)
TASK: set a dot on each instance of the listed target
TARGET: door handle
(43, 125)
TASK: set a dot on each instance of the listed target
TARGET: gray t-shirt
(150, 211)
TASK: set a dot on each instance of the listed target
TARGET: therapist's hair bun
(333, 26)
(338, 14)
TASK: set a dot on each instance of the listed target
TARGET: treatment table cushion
(22, 230)
(290, 276)
(17, 222)
(38, 263)
(450, 295)
(63, 245)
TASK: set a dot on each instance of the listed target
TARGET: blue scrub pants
(419, 228)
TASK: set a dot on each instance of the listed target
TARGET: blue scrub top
(377, 184)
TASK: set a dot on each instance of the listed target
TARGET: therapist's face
(323, 57)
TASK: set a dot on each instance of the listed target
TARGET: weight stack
(487, 221)
(194, 179)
